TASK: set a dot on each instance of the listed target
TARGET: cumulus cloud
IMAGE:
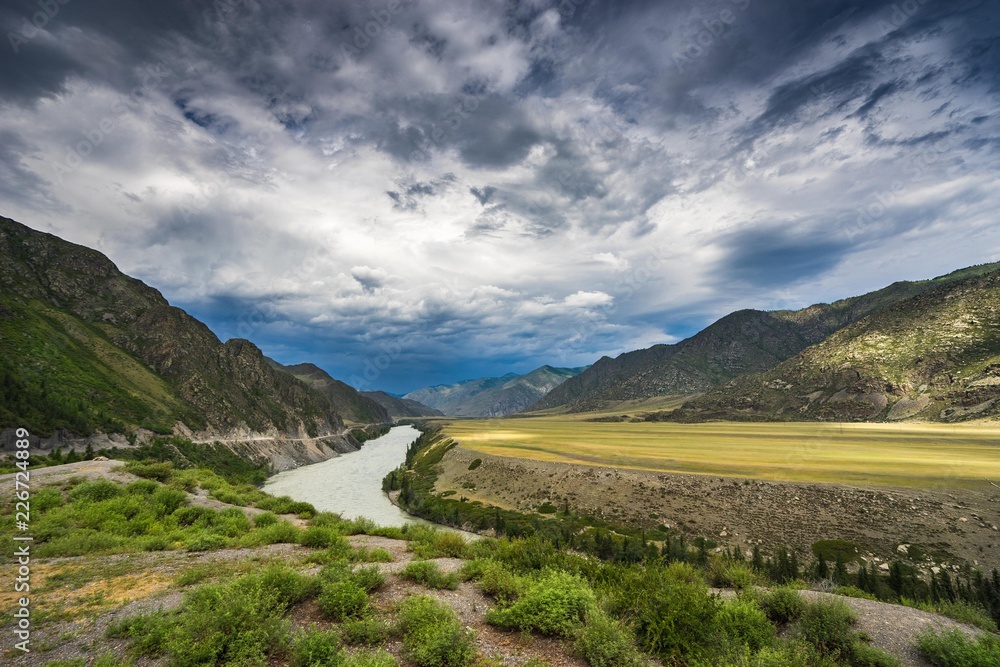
(473, 188)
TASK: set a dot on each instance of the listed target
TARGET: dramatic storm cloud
(417, 191)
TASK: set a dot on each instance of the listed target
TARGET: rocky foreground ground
(77, 599)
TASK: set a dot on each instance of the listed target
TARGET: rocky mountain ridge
(88, 349)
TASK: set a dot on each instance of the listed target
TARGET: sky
(415, 192)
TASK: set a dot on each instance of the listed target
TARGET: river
(351, 484)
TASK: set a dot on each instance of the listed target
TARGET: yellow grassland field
(908, 454)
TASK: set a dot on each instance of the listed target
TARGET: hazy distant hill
(349, 403)
(402, 407)
(85, 348)
(935, 356)
(747, 341)
(493, 397)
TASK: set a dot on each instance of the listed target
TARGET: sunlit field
(913, 455)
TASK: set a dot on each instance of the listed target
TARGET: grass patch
(912, 455)
(433, 635)
(557, 604)
(953, 648)
(430, 575)
(241, 622)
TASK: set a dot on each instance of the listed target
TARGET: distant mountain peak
(743, 342)
(493, 397)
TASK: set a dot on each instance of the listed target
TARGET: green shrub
(430, 575)
(501, 583)
(161, 472)
(341, 600)
(376, 659)
(231, 522)
(557, 604)
(167, 501)
(855, 592)
(289, 586)
(433, 635)
(953, 648)
(319, 537)
(205, 542)
(95, 491)
(338, 570)
(142, 487)
(376, 555)
(674, 613)
(317, 648)
(339, 550)
(239, 623)
(327, 520)
(784, 654)
(369, 578)
(439, 544)
(45, 500)
(80, 542)
(361, 525)
(783, 605)
(282, 532)
(154, 543)
(828, 626)
(744, 623)
(67, 662)
(103, 660)
(194, 575)
(265, 519)
(111, 660)
(475, 464)
(370, 631)
(726, 574)
(149, 633)
(604, 642)
(963, 612)
(194, 515)
(864, 655)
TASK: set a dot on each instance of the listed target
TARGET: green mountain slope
(493, 397)
(935, 356)
(85, 348)
(349, 403)
(402, 407)
(744, 342)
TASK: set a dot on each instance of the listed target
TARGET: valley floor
(944, 525)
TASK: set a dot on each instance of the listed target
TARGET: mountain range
(493, 397)
(740, 344)
(346, 400)
(87, 348)
(935, 356)
(400, 408)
